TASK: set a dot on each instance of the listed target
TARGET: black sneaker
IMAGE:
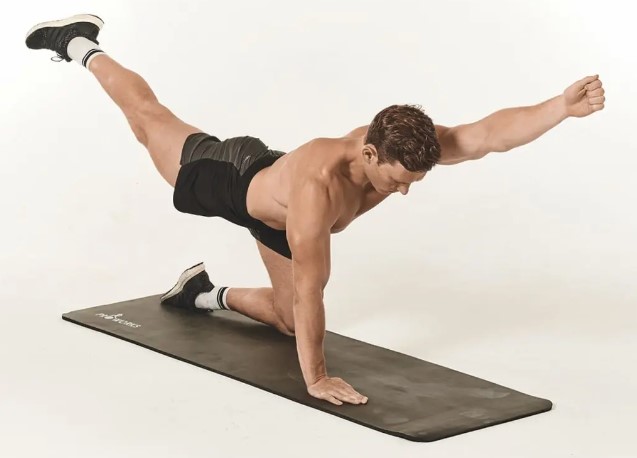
(191, 283)
(56, 35)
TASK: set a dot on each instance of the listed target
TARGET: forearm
(512, 127)
(309, 328)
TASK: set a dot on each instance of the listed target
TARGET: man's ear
(370, 154)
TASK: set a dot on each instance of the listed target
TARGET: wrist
(562, 107)
(312, 362)
(309, 381)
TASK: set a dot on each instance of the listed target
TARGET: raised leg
(155, 126)
(164, 134)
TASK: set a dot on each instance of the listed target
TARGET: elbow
(479, 154)
(498, 148)
(493, 143)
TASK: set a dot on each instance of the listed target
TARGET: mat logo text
(117, 319)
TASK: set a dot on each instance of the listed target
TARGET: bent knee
(282, 327)
(283, 302)
(287, 332)
(286, 326)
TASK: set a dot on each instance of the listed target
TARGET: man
(291, 203)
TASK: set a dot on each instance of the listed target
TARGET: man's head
(401, 147)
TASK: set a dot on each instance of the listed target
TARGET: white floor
(518, 268)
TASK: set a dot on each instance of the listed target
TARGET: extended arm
(512, 127)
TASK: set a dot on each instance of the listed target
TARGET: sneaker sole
(183, 278)
(62, 22)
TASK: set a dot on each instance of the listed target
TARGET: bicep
(311, 215)
(461, 143)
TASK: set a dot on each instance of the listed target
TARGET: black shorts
(214, 179)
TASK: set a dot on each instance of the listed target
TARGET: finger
(596, 93)
(348, 389)
(594, 85)
(332, 399)
(346, 395)
(588, 79)
(362, 397)
(597, 107)
(596, 100)
(359, 397)
(351, 400)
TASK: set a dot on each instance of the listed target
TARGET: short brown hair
(404, 133)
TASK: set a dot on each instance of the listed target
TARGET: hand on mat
(336, 390)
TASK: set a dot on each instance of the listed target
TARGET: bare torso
(270, 189)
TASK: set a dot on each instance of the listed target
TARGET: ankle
(96, 61)
(213, 300)
(83, 51)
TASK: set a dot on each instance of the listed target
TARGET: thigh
(280, 271)
(165, 135)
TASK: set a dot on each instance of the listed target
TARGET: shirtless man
(291, 203)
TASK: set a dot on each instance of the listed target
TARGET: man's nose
(404, 189)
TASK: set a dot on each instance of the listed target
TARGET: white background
(518, 268)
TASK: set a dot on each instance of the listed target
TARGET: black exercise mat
(408, 397)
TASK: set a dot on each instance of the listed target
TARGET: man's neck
(353, 167)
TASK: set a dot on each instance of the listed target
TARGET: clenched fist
(584, 97)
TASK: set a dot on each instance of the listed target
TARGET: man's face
(389, 178)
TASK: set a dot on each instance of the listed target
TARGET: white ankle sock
(82, 50)
(213, 300)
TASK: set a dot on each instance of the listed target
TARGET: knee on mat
(285, 329)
